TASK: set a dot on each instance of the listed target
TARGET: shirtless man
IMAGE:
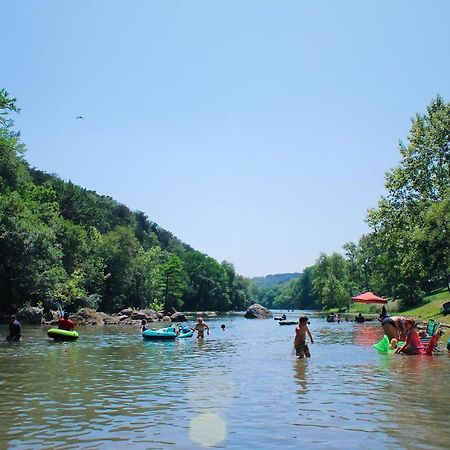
(200, 328)
(300, 345)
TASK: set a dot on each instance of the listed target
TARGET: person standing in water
(300, 345)
(14, 329)
(200, 328)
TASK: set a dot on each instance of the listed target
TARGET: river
(241, 388)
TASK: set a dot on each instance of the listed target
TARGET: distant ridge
(275, 279)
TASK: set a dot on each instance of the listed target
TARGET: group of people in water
(15, 329)
(397, 329)
(200, 328)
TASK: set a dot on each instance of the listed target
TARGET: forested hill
(273, 280)
(64, 245)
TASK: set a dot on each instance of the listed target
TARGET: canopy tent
(369, 297)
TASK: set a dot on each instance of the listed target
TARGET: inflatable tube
(187, 334)
(287, 322)
(383, 345)
(62, 335)
(163, 334)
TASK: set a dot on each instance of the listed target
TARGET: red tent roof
(369, 297)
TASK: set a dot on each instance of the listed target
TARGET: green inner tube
(62, 335)
(383, 345)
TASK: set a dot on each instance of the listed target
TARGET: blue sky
(258, 132)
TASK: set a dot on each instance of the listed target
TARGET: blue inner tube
(186, 334)
(62, 335)
(162, 334)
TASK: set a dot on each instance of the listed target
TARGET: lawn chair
(430, 343)
(432, 327)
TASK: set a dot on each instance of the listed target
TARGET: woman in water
(394, 328)
(412, 346)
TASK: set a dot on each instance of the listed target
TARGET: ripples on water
(242, 388)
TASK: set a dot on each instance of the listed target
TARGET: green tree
(421, 179)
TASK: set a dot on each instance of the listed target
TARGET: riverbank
(86, 316)
(430, 309)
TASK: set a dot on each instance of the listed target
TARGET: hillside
(63, 245)
(270, 281)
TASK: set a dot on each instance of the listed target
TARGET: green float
(62, 335)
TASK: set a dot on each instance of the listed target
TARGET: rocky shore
(36, 316)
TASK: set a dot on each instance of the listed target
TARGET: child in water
(300, 345)
(200, 328)
(143, 325)
(393, 344)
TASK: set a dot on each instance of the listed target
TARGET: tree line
(406, 255)
(62, 245)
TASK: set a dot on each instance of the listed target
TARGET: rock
(113, 320)
(127, 312)
(166, 319)
(138, 315)
(257, 311)
(178, 317)
(77, 319)
(89, 316)
(150, 315)
(31, 315)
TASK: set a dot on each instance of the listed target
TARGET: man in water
(300, 345)
(64, 323)
(14, 329)
(200, 328)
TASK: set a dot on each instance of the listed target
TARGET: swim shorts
(302, 350)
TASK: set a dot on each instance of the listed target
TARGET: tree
(174, 282)
(420, 180)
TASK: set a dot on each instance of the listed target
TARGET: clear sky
(256, 131)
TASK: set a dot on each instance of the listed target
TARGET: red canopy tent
(369, 297)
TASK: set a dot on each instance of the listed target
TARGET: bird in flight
(79, 117)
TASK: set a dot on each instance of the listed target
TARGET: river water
(241, 388)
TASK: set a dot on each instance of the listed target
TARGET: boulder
(166, 319)
(150, 315)
(113, 320)
(127, 312)
(31, 315)
(138, 315)
(257, 311)
(121, 318)
(89, 316)
(77, 319)
(178, 317)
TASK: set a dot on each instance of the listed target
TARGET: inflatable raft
(62, 335)
(287, 322)
(166, 334)
(383, 345)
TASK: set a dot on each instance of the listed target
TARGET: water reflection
(300, 370)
